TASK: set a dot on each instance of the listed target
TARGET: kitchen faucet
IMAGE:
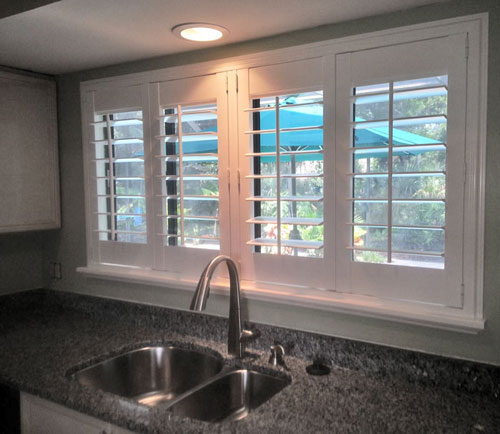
(236, 335)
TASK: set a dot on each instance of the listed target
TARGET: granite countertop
(44, 335)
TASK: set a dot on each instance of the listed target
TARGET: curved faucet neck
(200, 296)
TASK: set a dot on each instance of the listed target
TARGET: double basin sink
(188, 382)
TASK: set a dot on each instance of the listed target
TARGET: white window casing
(448, 295)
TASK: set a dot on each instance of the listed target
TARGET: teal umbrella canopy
(369, 135)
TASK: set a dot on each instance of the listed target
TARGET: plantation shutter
(400, 161)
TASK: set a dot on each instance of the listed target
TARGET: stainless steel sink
(151, 375)
(230, 396)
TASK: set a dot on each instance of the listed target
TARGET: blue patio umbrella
(372, 134)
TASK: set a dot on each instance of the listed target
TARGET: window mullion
(389, 170)
(181, 158)
(111, 177)
(278, 192)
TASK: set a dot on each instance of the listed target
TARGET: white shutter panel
(190, 172)
(400, 172)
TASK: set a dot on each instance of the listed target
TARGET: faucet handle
(249, 335)
(277, 355)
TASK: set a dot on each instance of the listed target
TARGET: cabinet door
(29, 174)
(42, 417)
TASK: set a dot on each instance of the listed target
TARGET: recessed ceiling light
(199, 32)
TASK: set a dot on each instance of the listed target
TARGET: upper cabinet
(29, 172)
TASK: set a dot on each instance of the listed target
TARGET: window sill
(421, 314)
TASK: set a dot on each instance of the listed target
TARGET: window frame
(467, 319)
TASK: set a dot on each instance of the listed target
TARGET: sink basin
(230, 396)
(151, 375)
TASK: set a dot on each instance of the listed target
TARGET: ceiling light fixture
(199, 32)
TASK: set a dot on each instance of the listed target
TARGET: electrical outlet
(55, 270)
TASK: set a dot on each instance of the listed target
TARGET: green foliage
(403, 187)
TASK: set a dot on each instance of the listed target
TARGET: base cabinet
(39, 416)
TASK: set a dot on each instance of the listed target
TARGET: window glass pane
(126, 115)
(201, 187)
(371, 134)
(126, 186)
(200, 165)
(190, 162)
(374, 213)
(420, 131)
(195, 144)
(310, 115)
(199, 206)
(425, 186)
(130, 223)
(441, 80)
(119, 151)
(136, 205)
(418, 214)
(305, 233)
(371, 257)
(124, 131)
(370, 237)
(419, 159)
(371, 108)
(426, 102)
(418, 240)
(128, 167)
(268, 187)
(370, 160)
(417, 176)
(292, 164)
(301, 209)
(196, 228)
(301, 186)
(370, 187)
(299, 173)
(131, 238)
(418, 260)
(371, 88)
(300, 140)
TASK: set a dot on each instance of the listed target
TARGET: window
(191, 174)
(190, 181)
(346, 175)
(287, 154)
(121, 200)
(118, 185)
(401, 149)
(285, 142)
(399, 172)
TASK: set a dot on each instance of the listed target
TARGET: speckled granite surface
(371, 389)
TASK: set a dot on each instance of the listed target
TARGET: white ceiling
(72, 35)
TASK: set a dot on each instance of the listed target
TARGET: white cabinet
(29, 169)
(39, 416)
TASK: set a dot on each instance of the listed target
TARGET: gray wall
(20, 262)
(21, 254)
(12, 7)
(68, 245)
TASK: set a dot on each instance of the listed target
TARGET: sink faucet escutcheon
(236, 335)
